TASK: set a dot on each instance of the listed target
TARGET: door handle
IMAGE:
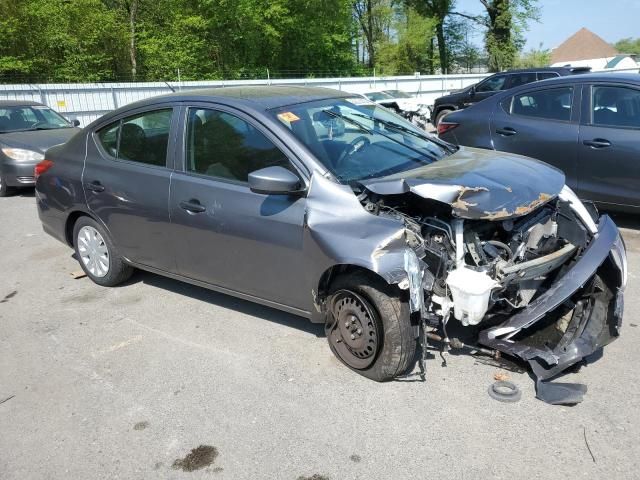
(597, 143)
(95, 186)
(193, 206)
(506, 131)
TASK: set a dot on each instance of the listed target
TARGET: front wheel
(97, 255)
(368, 327)
(4, 189)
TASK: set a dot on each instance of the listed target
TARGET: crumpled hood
(38, 140)
(479, 184)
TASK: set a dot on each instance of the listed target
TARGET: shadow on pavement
(227, 301)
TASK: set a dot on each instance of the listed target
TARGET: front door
(609, 145)
(226, 235)
(126, 183)
(540, 123)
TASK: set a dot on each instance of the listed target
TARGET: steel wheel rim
(354, 333)
(93, 251)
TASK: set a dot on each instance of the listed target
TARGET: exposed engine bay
(491, 274)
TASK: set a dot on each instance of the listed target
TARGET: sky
(559, 19)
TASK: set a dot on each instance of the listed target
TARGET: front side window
(615, 106)
(142, 138)
(356, 140)
(222, 145)
(552, 104)
(492, 84)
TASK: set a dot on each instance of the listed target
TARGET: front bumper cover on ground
(586, 334)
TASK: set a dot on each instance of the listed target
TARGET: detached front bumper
(18, 174)
(598, 279)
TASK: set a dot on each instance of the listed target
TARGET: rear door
(126, 182)
(609, 144)
(542, 123)
(225, 234)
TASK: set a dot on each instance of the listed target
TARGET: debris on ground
(198, 458)
(78, 274)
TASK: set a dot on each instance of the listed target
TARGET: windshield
(356, 140)
(30, 117)
(398, 94)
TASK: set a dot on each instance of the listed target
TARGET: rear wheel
(440, 115)
(97, 255)
(368, 327)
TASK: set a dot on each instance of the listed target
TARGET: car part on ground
(505, 391)
(383, 233)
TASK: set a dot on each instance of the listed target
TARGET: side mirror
(75, 122)
(274, 181)
(472, 91)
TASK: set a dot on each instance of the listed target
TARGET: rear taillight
(446, 126)
(42, 167)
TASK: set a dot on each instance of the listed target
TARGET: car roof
(18, 103)
(257, 97)
(624, 77)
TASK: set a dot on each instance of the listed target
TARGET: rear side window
(615, 107)
(552, 104)
(518, 79)
(142, 138)
(224, 146)
(545, 75)
(492, 84)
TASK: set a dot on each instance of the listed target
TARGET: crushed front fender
(598, 278)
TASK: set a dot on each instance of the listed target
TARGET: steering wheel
(356, 145)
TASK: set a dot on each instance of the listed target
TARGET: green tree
(407, 50)
(506, 22)
(439, 11)
(536, 57)
(628, 45)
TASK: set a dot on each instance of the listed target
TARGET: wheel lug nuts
(359, 331)
(353, 337)
(346, 324)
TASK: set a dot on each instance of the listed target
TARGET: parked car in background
(380, 234)
(412, 108)
(497, 82)
(27, 129)
(587, 125)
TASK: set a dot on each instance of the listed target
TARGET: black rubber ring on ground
(512, 393)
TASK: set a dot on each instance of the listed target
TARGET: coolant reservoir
(470, 291)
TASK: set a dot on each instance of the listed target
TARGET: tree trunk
(442, 48)
(133, 12)
(369, 34)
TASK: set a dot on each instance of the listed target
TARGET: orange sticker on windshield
(288, 117)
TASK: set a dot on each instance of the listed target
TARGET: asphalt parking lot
(125, 382)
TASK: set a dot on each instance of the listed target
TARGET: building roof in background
(582, 45)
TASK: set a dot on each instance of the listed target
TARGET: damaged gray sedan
(329, 207)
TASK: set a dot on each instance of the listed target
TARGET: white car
(413, 109)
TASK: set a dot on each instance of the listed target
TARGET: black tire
(118, 270)
(441, 114)
(396, 346)
(4, 189)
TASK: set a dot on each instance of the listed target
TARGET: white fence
(88, 101)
